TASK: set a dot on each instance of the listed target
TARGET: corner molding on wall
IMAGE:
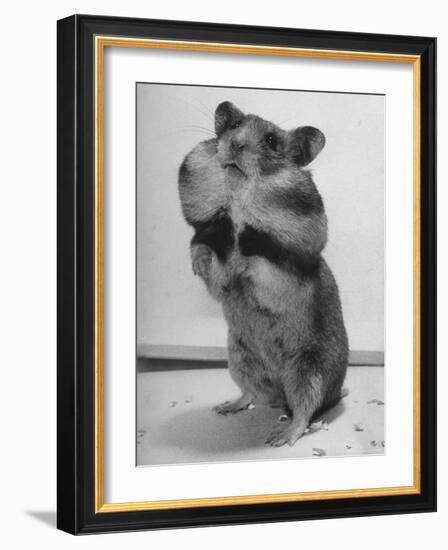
(219, 353)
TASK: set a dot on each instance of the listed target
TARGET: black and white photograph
(260, 274)
(220, 246)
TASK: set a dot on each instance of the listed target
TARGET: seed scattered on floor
(374, 443)
(173, 404)
(382, 444)
(251, 406)
(318, 452)
(375, 401)
(189, 399)
(358, 427)
(316, 426)
(348, 446)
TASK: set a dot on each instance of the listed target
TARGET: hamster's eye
(235, 125)
(271, 140)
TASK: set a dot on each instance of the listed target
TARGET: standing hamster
(259, 231)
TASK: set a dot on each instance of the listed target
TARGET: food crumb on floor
(188, 431)
(318, 452)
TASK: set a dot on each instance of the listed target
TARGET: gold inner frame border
(100, 44)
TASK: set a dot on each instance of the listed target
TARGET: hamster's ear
(226, 115)
(305, 143)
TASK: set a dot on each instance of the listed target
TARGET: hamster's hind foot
(232, 407)
(286, 432)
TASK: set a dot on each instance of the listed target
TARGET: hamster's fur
(260, 228)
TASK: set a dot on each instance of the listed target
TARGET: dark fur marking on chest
(253, 242)
(298, 201)
(217, 233)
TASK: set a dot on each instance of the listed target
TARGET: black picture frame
(76, 254)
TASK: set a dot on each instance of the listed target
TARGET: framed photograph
(246, 274)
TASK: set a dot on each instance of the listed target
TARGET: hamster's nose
(236, 145)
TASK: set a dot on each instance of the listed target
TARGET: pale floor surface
(176, 424)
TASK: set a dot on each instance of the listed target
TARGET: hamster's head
(251, 146)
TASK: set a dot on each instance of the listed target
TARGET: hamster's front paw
(201, 259)
(286, 433)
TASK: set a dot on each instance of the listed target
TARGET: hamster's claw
(282, 435)
(201, 259)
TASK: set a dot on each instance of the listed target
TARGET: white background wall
(28, 274)
(173, 305)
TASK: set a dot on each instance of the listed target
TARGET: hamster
(259, 231)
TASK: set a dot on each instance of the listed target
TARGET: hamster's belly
(271, 288)
(267, 310)
(268, 305)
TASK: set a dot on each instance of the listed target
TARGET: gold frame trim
(101, 42)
